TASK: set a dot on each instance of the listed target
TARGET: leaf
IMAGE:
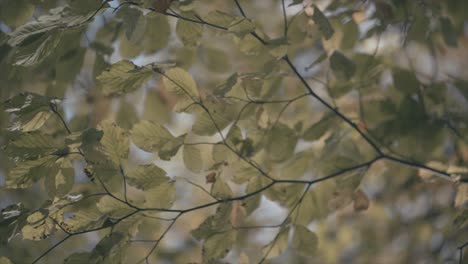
(214, 224)
(254, 185)
(107, 247)
(115, 142)
(179, 81)
(361, 201)
(304, 241)
(39, 226)
(241, 26)
(60, 181)
(25, 173)
(161, 196)
(192, 158)
(30, 144)
(281, 142)
(111, 207)
(123, 77)
(448, 32)
(317, 130)
(188, 32)
(278, 245)
(171, 148)
(162, 5)
(343, 67)
(78, 258)
(218, 246)
(221, 190)
(12, 220)
(17, 13)
(296, 167)
(220, 114)
(145, 177)
(62, 18)
(324, 25)
(150, 136)
(37, 51)
(405, 81)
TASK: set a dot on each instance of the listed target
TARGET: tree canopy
(234, 131)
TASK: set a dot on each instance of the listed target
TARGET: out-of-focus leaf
(278, 245)
(405, 81)
(324, 25)
(188, 32)
(304, 241)
(281, 142)
(343, 67)
(218, 246)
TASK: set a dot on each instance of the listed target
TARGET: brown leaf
(211, 177)
(238, 214)
(361, 201)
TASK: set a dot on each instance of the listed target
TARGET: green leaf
(224, 87)
(448, 32)
(30, 144)
(343, 67)
(281, 142)
(324, 25)
(61, 17)
(255, 183)
(25, 173)
(17, 13)
(317, 130)
(278, 245)
(37, 51)
(241, 26)
(161, 196)
(188, 32)
(218, 246)
(296, 167)
(12, 220)
(61, 182)
(221, 114)
(123, 77)
(192, 158)
(108, 247)
(405, 81)
(221, 190)
(39, 226)
(78, 258)
(149, 136)
(145, 177)
(214, 224)
(115, 142)
(111, 207)
(304, 242)
(179, 81)
(171, 148)
(219, 18)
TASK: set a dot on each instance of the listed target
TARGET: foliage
(233, 131)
